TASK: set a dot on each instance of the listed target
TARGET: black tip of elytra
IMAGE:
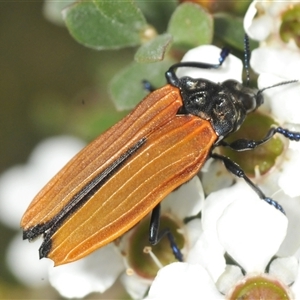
(30, 234)
(33, 232)
(26, 235)
(45, 248)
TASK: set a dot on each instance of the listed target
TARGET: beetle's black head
(225, 104)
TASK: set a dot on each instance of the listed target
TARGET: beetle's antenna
(247, 55)
(277, 84)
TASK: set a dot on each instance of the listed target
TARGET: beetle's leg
(148, 86)
(174, 80)
(244, 144)
(236, 170)
(291, 135)
(155, 235)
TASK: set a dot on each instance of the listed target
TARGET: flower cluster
(278, 60)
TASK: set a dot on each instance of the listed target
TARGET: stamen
(129, 271)
(148, 250)
(257, 174)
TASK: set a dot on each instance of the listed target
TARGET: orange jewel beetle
(126, 172)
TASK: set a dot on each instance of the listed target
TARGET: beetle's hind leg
(236, 170)
(155, 235)
(246, 144)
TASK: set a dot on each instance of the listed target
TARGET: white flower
(263, 20)
(238, 223)
(20, 183)
(18, 186)
(183, 281)
(275, 66)
(94, 273)
(275, 62)
(241, 226)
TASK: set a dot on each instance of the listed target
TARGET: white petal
(23, 260)
(229, 278)
(53, 153)
(232, 67)
(209, 253)
(296, 286)
(95, 273)
(214, 206)
(283, 63)
(186, 201)
(249, 16)
(283, 100)
(19, 184)
(276, 8)
(292, 240)
(258, 28)
(251, 231)
(135, 286)
(193, 231)
(216, 177)
(294, 145)
(285, 268)
(289, 175)
(183, 281)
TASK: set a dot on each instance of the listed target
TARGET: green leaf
(154, 50)
(101, 24)
(230, 29)
(126, 88)
(191, 26)
(124, 13)
(157, 13)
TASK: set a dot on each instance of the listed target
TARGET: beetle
(126, 172)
